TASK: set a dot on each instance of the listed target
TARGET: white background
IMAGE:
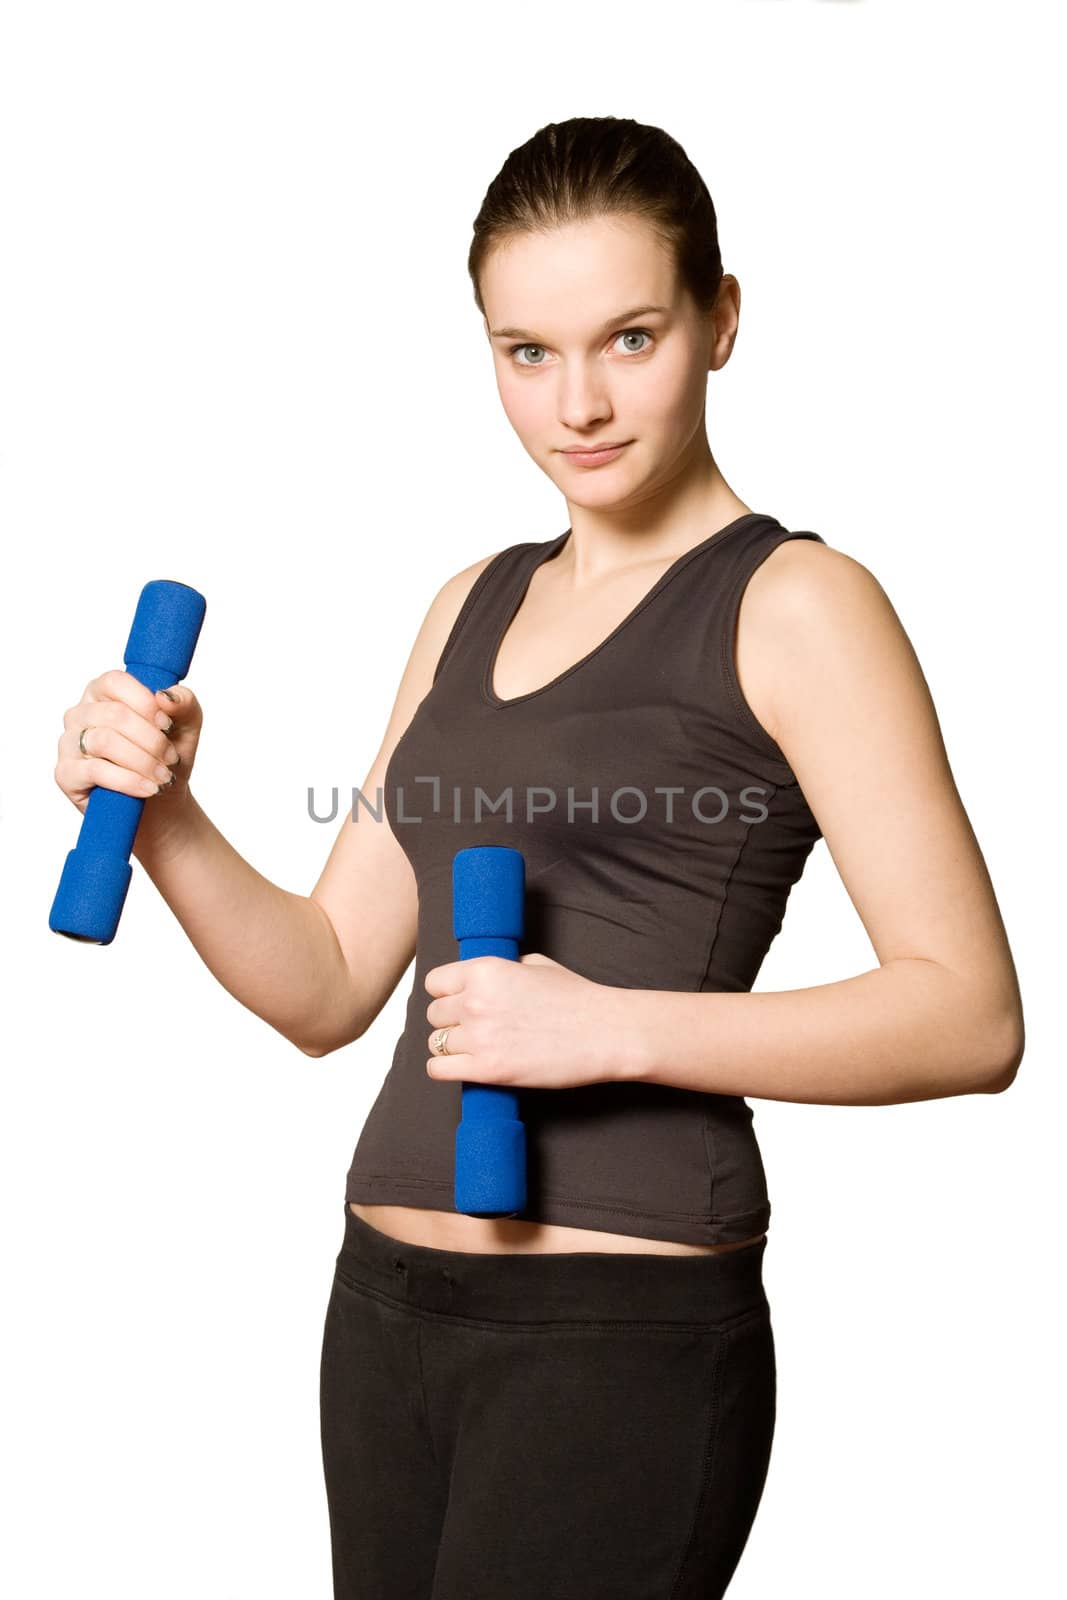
(232, 281)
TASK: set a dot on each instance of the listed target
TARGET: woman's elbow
(1007, 1057)
(318, 1048)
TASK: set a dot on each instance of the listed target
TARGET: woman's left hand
(526, 1024)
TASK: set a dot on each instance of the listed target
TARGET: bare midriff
(453, 1230)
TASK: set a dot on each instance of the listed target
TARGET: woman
(663, 708)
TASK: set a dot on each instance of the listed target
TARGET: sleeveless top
(662, 830)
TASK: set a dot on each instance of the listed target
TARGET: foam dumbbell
(96, 874)
(488, 891)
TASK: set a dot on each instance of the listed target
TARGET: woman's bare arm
(941, 1014)
(318, 968)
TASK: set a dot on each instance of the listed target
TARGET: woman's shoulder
(805, 578)
(448, 603)
(810, 615)
(455, 591)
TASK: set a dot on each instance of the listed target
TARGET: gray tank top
(662, 830)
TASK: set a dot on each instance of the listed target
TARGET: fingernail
(164, 722)
(170, 696)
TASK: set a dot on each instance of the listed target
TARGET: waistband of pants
(545, 1286)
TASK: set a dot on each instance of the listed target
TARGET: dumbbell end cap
(91, 894)
(490, 1168)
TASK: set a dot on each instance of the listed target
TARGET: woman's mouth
(593, 458)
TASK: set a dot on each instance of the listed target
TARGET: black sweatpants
(587, 1426)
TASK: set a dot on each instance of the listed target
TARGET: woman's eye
(517, 347)
(627, 333)
(639, 333)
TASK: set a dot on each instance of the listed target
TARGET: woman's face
(581, 359)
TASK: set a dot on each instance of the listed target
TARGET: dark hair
(601, 166)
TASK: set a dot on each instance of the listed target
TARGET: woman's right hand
(130, 747)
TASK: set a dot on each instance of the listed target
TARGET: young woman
(663, 708)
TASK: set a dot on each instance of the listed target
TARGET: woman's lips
(593, 458)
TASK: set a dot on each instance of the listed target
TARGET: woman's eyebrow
(621, 316)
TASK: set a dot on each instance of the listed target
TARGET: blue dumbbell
(488, 890)
(97, 872)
